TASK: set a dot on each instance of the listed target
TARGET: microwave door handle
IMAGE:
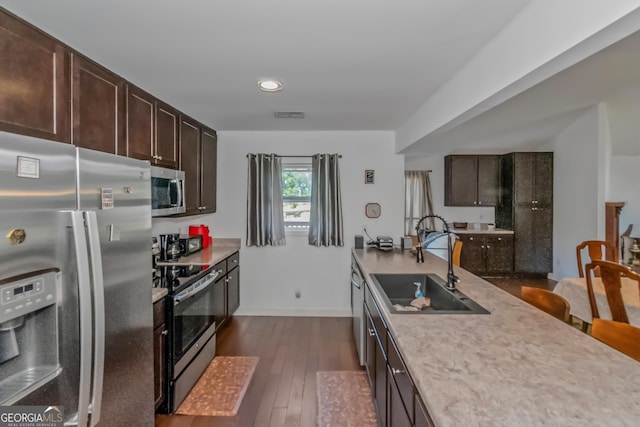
(180, 193)
(84, 301)
(95, 256)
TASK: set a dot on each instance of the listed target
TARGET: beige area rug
(344, 400)
(220, 389)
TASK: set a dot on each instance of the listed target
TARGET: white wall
(577, 190)
(270, 275)
(623, 187)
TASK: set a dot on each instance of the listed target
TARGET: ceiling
(532, 118)
(348, 65)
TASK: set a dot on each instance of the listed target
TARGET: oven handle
(198, 287)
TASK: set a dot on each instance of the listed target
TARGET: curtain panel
(265, 219)
(325, 228)
(417, 200)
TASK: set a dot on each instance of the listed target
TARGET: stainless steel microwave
(167, 192)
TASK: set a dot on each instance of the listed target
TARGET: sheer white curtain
(265, 220)
(325, 227)
(417, 200)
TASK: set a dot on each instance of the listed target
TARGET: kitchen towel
(220, 389)
(344, 399)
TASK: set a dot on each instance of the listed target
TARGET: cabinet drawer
(158, 313)
(233, 261)
(221, 268)
(401, 376)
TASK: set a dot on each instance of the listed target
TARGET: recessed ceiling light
(270, 85)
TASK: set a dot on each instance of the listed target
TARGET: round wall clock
(372, 210)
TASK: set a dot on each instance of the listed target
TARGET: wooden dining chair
(597, 250)
(547, 301)
(621, 336)
(457, 250)
(611, 274)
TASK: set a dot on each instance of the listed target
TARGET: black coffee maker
(170, 248)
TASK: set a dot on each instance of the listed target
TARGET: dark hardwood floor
(282, 391)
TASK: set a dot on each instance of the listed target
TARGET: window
(296, 195)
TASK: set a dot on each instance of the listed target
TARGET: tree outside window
(296, 195)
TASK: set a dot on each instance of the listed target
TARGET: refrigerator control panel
(25, 296)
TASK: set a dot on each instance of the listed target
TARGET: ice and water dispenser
(28, 334)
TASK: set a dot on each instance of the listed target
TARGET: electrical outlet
(298, 293)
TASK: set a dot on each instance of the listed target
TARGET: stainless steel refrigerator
(75, 283)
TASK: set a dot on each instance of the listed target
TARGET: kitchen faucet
(452, 279)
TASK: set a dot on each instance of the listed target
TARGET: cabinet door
(98, 99)
(499, 253)
(525, 239)
(542, 259)
(461, 175)
(488, 180)
(140, 121)
(397, 414)
(472, 255)
(524, 169)
(166, 148)
(208, 172)
(190, 164)
(233, 291)
(220, 301)
(543, 191)
(34, 71)
(381, 382)
(159, 344)
(423, 419)
(370, 350)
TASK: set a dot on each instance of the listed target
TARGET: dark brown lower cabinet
(233, 291)
(393, 391)
(159, 346)
(485, 254)
(220, 301)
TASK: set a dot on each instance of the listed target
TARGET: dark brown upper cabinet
(198, 157)
(190, 163)
(98, 107)
(472, 180)
(152, 129)
(34, 81)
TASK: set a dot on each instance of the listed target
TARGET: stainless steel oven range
(191, 324)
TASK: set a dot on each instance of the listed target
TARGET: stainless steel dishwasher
(357, 308)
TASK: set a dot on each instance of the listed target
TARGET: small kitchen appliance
(170, 249)
(190, 244)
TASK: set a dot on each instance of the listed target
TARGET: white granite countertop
(471, 230)
(517, 366)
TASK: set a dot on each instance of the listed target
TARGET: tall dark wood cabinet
(140, 123)
(527, 209)
(98, 107)
(167, 136)
(472, 180)
(208, 171)
(34, 81)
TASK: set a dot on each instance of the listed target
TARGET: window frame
(299, 227)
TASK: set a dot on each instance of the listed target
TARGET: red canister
(201, 230)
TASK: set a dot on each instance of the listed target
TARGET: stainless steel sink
(400, 289)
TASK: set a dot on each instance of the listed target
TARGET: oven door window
(192, 317)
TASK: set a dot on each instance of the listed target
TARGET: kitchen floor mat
(220, 389)
(344, 399)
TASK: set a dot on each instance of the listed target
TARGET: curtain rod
(418, 170)
(284, 155)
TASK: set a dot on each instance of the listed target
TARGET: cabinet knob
(470, 238)
(488, 247)
(235, 261)
(482, 246)
(475, 203)
(500, 238)
(372, 333)
(395, 371)
(165, 332)
(159, 157)
(480, 202)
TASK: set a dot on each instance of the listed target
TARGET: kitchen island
(516, 366)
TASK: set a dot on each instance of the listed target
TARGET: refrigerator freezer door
(37, 183)
(118, 190)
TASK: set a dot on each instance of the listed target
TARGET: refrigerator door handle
(86, 330)
(95, 257)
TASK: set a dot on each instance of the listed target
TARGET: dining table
(574, 290)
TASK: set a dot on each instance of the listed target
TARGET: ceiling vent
(289, 114)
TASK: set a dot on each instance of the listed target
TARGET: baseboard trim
(293, 312)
